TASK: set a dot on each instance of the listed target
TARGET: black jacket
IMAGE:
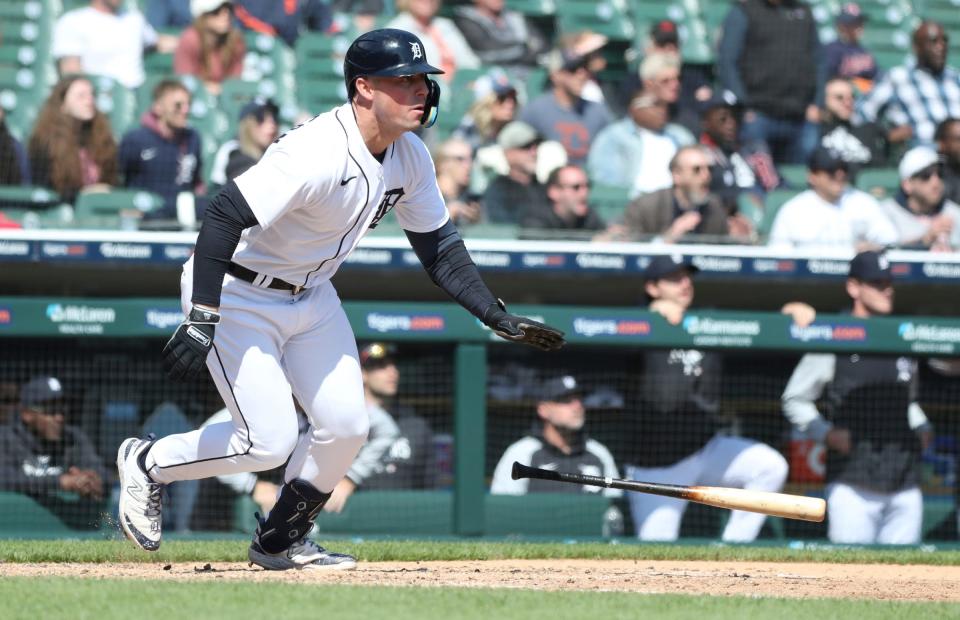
(33, 466)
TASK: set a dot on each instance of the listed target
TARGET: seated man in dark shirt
(568, 214)
(44, 457)
(510, 196)
(556, 442)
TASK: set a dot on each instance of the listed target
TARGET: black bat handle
(522, 471)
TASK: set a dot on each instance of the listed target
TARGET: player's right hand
(185, 355)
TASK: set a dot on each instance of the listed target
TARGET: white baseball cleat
(303, 554)
(139, 496)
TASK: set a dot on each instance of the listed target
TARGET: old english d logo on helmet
(391, 52)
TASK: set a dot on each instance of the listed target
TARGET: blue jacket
(164, 164)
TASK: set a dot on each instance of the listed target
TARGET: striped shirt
(908, 95)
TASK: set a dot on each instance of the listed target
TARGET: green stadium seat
(774, 201)
(108, 209)
(601, 16)
(794, 174)
(609, 201)
(27, 197)
(117, 101)
(534, 8)
(880, 182)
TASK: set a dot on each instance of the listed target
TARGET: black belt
(257, 279)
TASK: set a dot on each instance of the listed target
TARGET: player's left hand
(521, 329)
(185, 355)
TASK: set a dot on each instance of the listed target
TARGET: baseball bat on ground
(776, 504)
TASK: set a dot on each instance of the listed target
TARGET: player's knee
(775, 468)
(273, 451)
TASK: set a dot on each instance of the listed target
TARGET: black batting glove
(521, 329)
(185, 355)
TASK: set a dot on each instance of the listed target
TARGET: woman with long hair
(72, 147)
(211, 49)
(257, 129)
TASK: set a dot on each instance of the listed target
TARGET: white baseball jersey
(318, 189)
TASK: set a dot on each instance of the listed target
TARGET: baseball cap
(517, 134)
(915, 160)
(40, 390)
(376, 354)
(664, 32)
(257, 106)
(719, 99)
(558, 388)
(870, 266)
(823, 159)
(666, 264)
(495, 81)
(199, 7)
(851, 14)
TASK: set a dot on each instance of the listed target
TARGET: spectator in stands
(256, 130)
(509, 196)
(922, 214)
(831, 214)
(872, 426)
(41, 456)
(495, 105)
(443, 44)
(283, 19)
(454, 162)
(106, 38)
(686, 208)
(399, 450)
(211, 48)
(948, 145)
(72, 146)
(913, 98)
(735, 168)
(168, 14)
(589, 46)
(696, 79)
(163, 155)
(568, 214)
(769, 59)
(633, 152)
(860, 146)
(364, 13)
(660, 74)
(14, 164)
(498, 35)
(845, 58)
(673, 436)
(561, 114)
(558, 441)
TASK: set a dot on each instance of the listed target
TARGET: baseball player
(874, 430)
(264, 318)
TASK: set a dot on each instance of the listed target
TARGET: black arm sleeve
(450, 267)
(224, 221)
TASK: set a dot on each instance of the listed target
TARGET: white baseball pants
(269, 346)
(723, 461)
(858, 516)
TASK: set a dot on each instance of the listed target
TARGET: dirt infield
(873, 581)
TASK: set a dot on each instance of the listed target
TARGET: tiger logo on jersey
(390, 199)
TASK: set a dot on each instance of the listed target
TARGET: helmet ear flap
(431, 109)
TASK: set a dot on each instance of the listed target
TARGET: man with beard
(687, 208)
(734, 167)
(914, 97)
(921, 213)
(860, 146)
(871, 424)
(42, 456)
(556, 442)
(569, 214)
(398, 451)
(948, 145)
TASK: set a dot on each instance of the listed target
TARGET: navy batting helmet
(391, 52)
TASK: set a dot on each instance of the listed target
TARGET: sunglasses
(928, 172)
(574, 186)
(49, 410)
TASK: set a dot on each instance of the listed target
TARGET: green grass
(419, 550)
(101, 600)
